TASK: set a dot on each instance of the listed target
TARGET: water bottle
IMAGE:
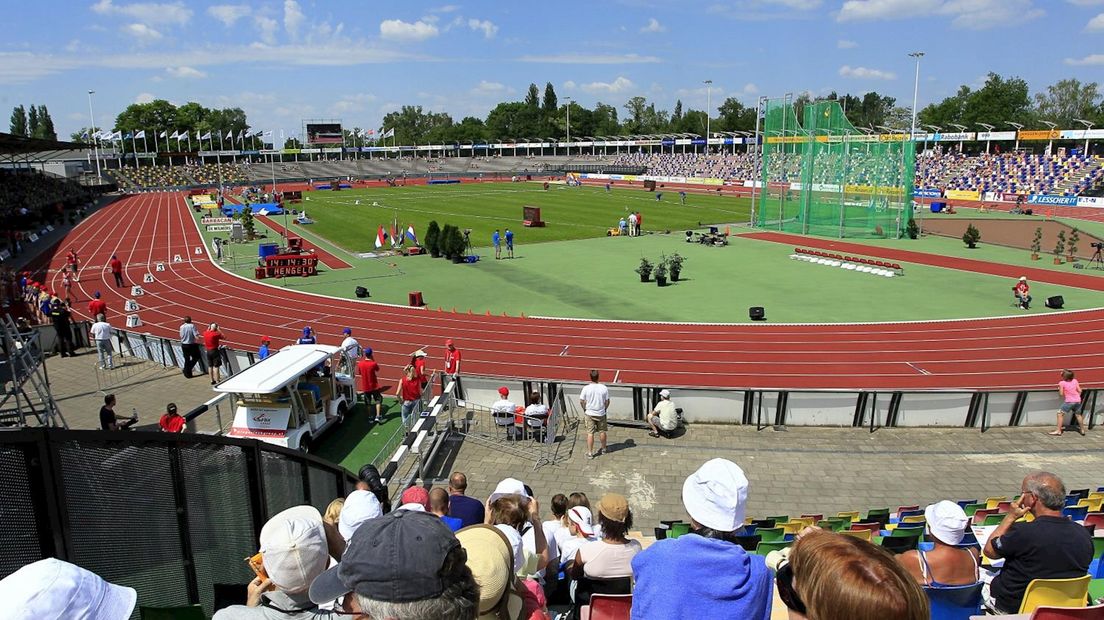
(133, 413)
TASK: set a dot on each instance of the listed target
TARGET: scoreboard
(284, 265)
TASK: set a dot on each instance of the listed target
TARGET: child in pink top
(1070, 391)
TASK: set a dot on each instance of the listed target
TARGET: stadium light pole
(567, 102)
(915, 94)
(988, 130)
(961, 129)
(1018, 127)
(708, 106)
(937, 129)
(1052, 126)
(95, 140)
(1088, 125)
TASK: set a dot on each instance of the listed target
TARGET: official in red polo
(97, 306)
(117, 270)
(367, 371)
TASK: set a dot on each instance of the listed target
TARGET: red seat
(607, 607)
(1095, 518)
(873, 527)
(901, 509)
(1068, 613)
(979, 516)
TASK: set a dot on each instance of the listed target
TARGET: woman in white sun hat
(947, 564)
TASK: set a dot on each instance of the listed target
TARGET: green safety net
(824, 177)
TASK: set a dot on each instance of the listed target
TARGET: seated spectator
(171, 422)
(403, 566)
(293, 554)
(551, 529)
(578, 532)
(359, 507)
(663, 419)
(503, 410)
(1050, 547)
(368, 479)
(415, 498)
(830, 576)
(469, 510)
(612, 555)
(501, 594)
(947, 564)
(536, 414)
(716, 577)
(51, 588)
(439, 505)
(511, 509)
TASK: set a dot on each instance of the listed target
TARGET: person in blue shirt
(509, 243)
(307, 337)
(682, 197)
(659, 196)
(607, 188)
(262, 353)
(705, 574)
(496, 239)
(623, 226)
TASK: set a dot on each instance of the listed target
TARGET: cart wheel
(305, 445)
(342, 411)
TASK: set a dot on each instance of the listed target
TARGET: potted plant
(971, 236)
(674, 263)
(444, 242)
(1037, 243)
(661, 272)
(433, 239)
(912, 229)
(1071, 247)
(1059, 247)
(645, 269)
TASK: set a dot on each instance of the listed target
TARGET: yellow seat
(992, 502)
(1096, 495)
(853, 515)
(791, 527)
(806, 521)
(860, 534)
(1055, 593)
(913, 519)
(1093, 504)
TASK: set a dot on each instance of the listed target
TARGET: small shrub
(971, 236)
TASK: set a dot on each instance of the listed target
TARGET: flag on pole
(390, 133)
(165, 133)
(410, 234)
(140, 134)
(118, 135)
(230, 135)
(396, 238)
(206, 136)
(380, 236)
(84, 136)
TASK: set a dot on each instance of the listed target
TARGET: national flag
(140, 135)
(230, 135)
(127, 136)
(199, 137)
(390, 133)
(410, 234)
(118, 135)
(396, 238)
(166, 133)
(206, 136)
(84, 136)
(371, 131)
(380, 237)
(267, 134)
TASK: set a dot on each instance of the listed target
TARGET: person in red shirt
(367, 371)
(171, 422)
(117, 270)
(1021, 291)
(97, 306)
(418, 361)
(74, 263)
(212, 341)
(452, 365)
(410, 392)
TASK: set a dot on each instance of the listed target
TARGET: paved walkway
(803, 470)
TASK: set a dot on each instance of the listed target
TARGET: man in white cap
(947, 564)
(52, 588)
(293, 553)
(705, 574)
(1022, 292)
(663, 419)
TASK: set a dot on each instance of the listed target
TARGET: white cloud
(185, 73)
(448, 8)
(398, 30)
(1090, 60)
(844, 44)
(352, 103)
(489, 88)
(146, 12)
(1086, 2)
(488, 28)
(589, 59)
(142, 33)
(267, 27)
(750, 89)
(229, 14)
(1096, 24)
(801, 5)
(293, 17)
(863, 73)
(619, 85)
(569, 85)
(969, 14)
(653, 26)
(23, 67)
(144, 98)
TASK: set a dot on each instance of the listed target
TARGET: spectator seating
(30, 200)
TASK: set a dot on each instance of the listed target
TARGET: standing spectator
(1070, 391)
(1050, 547)
(212, 342)
(622, 226)
(307, 337)
(189, 345)
(452, 359)
(111, 421)
(350, 351)
(367, 373)
(360, 506)
(116, 270)
(171, 421)
(718, 578)
(409, 392)
(469, 510)
(418, 361)
(61, 318)
(612, 556)
(101, 334)
(632, 224)
(496, 241)
(594, 399)
(640, 220)
(439, 505)
(263, 351)
(509, 243)
(74, 264)
(97, 306)
(663, 419)
(51, 588)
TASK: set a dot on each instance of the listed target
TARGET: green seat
(780, 519)
(993, 519)
(765, 547)
(1096, 589)
(834, 524)
(972, 508)
(881, 515)
(905, 532)
(678, 529)
(770, 534)
(184, 612)
(1098, 548)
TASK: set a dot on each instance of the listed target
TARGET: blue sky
(286, 60)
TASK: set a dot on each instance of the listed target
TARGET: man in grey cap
(404, 565)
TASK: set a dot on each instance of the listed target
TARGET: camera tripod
(1096, 258)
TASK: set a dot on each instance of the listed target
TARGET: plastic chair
(183, 612)
(900, 544)
(770, 534)
(851, 514)
(901, 509)
(955, 603)
(792, 527)
(970, 509)
(1076, 513)
(905, 532)
(880, 515)
(993, 519)
(860, 534)
(991, 502)
(607, 607)
(914, 519)
(1055, 593)
(1095, 518)
(980, 514)
(963, 503)
(678, 529)
(909, 513)
(834, 524)
(873, 527)
(779, 519)
(1067, 613)
(1093, 503)
(1098, 546)
(758, 523)
(765, 547)
(749, 543)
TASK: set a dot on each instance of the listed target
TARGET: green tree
(32, 122)
(551, 102)
(998, 101)
(532, 96)
(637, 108)
(948, 111)
(605, 120)
(469, 129)
(18, 125)
(512, 120)
(735, 116)
(1067, 100)
(46, 124)
(676, 116)
(293, 143)
(84, 134)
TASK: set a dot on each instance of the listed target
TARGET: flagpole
(145, 145)
(134, 147)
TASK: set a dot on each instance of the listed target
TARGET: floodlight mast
(95, 138)
(915, 93)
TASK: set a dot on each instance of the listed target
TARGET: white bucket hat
(52, 588)
(359, 507)
(716, 495)
(947, 521)
(293, 545)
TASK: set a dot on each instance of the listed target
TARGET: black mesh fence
(172, 516)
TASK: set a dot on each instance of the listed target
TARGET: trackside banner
(1090, 201)
(926, 193)
(1042, 199)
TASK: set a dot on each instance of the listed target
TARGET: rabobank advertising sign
(1043, 199)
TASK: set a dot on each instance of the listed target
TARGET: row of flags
(396, 237)
(367, 134)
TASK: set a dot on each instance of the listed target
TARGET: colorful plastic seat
(955, 603)
(1055, 593)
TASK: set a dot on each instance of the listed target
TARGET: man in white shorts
(594, 399)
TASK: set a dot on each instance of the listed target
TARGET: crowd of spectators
(155, 177)
(30, 200)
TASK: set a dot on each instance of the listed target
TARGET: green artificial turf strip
(359, 441)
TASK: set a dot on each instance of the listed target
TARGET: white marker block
(136, 291)
(148, 278)
(198, 250)
(133, 321)
(160, 267)
(177, 259)
(130, 306)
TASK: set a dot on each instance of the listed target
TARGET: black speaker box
(757, 313)
(361, 292)
(1055, 302)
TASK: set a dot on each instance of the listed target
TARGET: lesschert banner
(1040, 134)
(1042, 199)
(961, 194)
(927, 193)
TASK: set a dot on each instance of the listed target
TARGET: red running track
(1007, 353)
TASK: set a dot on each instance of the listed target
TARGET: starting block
(177, 259)
(133, 321)
(130, 306)
(136, 291)
(160, 266)
(198, 250)
(148, 278)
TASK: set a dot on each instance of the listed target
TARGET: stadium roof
(22, 149)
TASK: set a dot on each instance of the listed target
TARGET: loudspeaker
(1055, 302)
(361, 292)
(757, 313)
